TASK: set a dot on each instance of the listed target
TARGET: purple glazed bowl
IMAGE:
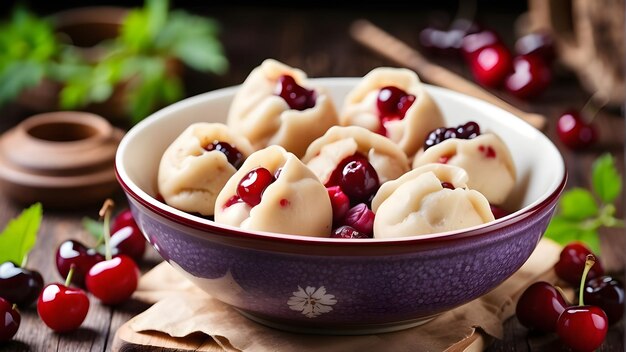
(335, 286)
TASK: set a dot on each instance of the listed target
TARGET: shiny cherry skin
(356, 177)
(72, 252)
(253, 184)
(339, 202)
(607, 293)
(361, 218)
(571, 264)
(530, 78)
(539, 307)
(61, 308)
(233, 155)
(126, 236)
(19, 285)
(536, 43)
(473, 43)
(296, 96)
(467, 130)
(393, 101)
(582, 328)
(491, 64)
(10, 319)
(574, 132)
(348, 232)
(113, 281)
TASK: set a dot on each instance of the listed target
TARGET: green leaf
(578, 204)
(562, 230)
(607, 183)
(94, 227)
(20, 235)
(17, 77)
(591, 239)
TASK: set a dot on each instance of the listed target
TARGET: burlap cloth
(181, 309)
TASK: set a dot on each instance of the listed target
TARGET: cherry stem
(590, 260)
(70, 274)
(105, 212)
(24, 261)
(590, 110)
(14, 306)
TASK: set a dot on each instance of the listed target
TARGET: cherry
(607, 293)
(583, 327)
(19, 285)
(348, 232)
(393, 101)
(340, 203)
(361, 218)
(73, 253)
(536, 43)
(127, 238)
(572, 263)
(491, 64)
(574, 132)
(297, 97)
(468, 130)
(233, 155)
(539, 307)
(356, 177)
(498, 212)
(253, 184)
(473, 43)
(9, 320)
(530, 78)
(113, 281)
(63, 308)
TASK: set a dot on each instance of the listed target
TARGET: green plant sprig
(581, 213)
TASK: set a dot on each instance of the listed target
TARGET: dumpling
(277, 105)
(196, 166)
(366, 158)
(274, 191)
(393, 103)
(486, 159)
(430, 199)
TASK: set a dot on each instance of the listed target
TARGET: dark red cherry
(574, 132)
(347, 232)
(356, 177)
(607, 293)
(361, 218)
(62, 308)
(393, 101)
(233, 155)
(474, 42)
(126, 236)
(19, 285)
(582, 328)
(539, 307)
(9, 320)
(340, 203)
(447, 185)
(491, 64)
(536, 43)
(498, 212)
(468, 130)
(572, 263)
(530, 78)
(253, 184)
(72, 252)
(297, 97)
(113, 281)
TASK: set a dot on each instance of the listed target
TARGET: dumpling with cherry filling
(430, 199)
(197, 164)
(274, 191)
(394, 103)
(485, 157)
(276, 104)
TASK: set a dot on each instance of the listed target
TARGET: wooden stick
(383, 43)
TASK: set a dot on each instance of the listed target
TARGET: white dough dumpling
(274, 191)
(277, 105)
(430, 199)
(486, 159)
(394, 103)
(198, 163)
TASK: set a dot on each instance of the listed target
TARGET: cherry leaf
(578, 204)
(20, 235)
(94, 227)
(607, 183)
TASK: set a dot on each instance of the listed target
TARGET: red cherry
(393, 101)
(473, 43)
(572, 263)
(491, 64)
(126, 236)
(575, 133)
(113, 281)
(233, 155)
(356, 177)
(297, 97)
(361, 218)
(539, 307)
(9, 320)
(19, 285)
(252, 186)
(536, 43)
(607, 293)
(73, 253)
(62, 308)
(530, 78)
(340, 203)
(348, 232)
(498, 212)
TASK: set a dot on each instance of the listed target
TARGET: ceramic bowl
(335, 286)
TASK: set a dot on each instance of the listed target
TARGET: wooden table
(318, 42)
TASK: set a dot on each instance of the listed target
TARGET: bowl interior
(539, 165)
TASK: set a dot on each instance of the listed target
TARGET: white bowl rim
(214, 228)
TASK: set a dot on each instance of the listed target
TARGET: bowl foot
(368, 329)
